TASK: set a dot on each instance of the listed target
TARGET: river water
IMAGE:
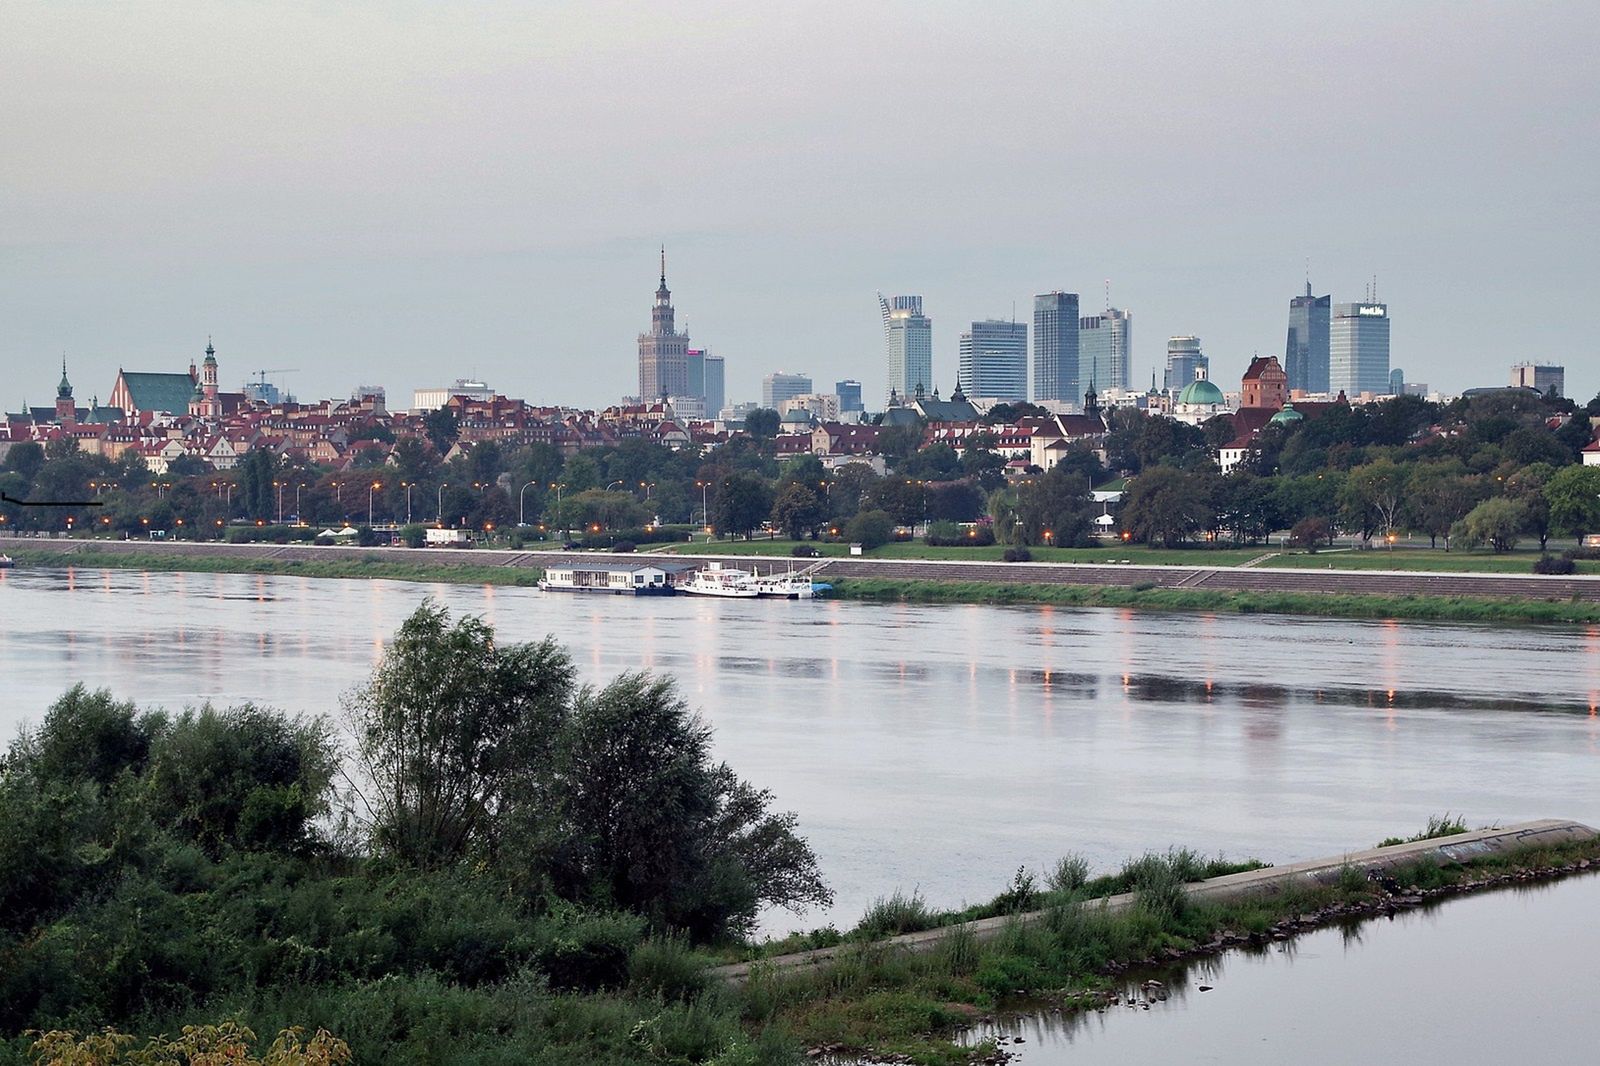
(1496, 978)
(932, 748)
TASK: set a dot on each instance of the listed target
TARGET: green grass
(885, 1002)
(1482, 561)
(1344, 605)
(991, 553)
(353, 563)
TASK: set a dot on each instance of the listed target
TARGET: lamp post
(374, 487)
(297, 487)
(279, 486)
(409, 486)
(705, 512)
(442, 486)
(521, 501)
(608, 487)
(647, 486)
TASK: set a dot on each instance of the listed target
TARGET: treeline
(440, 880)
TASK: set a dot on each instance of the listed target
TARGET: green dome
(1288, 414)
(1201, 394)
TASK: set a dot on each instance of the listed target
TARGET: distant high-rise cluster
(908, 346)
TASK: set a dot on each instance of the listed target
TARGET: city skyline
(409, 208)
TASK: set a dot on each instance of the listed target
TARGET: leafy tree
(1011, 413)
(257, 472)
(870, 529)
(898, 443)
(904, 499)
(742, 503)
(25, 457)
(1057, 503)
(762, 423)
(1526, 486)
(442, 427)
(450, 730)
(596, 508)
(1372, 497)
(1246, 506)
(1496, 521)
(1165, 505)
(1573, 493)
(1438, 496)
(954, 501)
(936, 462)
(847, 487)
(797, 510)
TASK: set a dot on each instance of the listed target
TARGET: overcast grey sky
(404, 193)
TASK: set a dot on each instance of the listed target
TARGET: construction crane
(261, 375)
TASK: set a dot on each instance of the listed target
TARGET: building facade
(907, 345)
(1358, 349)
(994, 361)
(1105, 346)
(1184, 358)
(1305, 352)
(1265, 384)
(716, 384)
(1541, 376)
(1055, 347)
(663, 352)
(849, 393)
(424, 400)
(780, 386)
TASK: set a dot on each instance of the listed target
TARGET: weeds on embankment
(889, 1002)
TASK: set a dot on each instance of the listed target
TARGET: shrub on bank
(1555, 564)
(953, 535)
(1017, 555)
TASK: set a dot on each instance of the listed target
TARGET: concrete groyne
(1459, 848)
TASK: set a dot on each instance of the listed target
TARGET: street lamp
(521, 500)
(442, 486)
(279, 486)
(705, 512)
(608, 487)
(376, 485)
(408, 486)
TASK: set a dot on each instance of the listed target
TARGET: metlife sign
(1378, 310)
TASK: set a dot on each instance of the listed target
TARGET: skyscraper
(1305, 353)
(780, 386)
(663, 352)
(1183, 359)
(1055, 347)
(716, 383)
(849, 393)
(1104, 349)
(1541, 376)
(907, 345)
(1358, 349)
(994, 360)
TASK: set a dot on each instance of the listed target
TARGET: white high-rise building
(1358, 349)
(994, 361)
(1105, 345)
(780, 386)
(908, 346)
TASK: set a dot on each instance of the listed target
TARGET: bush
(585, 951)
(1071, 873)
(804, 551)
(895, 914)
(1309, 533)
(624, 546)
(1555, 564)
(870, 529)
(1017, 555)
(1021, 894)
(414, 536)
(666, 967)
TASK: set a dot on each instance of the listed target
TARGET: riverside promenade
(1533, 587)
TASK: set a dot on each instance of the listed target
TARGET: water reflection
(1484, 979)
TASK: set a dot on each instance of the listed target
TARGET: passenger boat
(785, 586)
(719, 580)
(6, 562)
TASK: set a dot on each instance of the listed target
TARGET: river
(932, 748)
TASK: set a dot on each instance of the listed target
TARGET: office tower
(994, 361)
(1104, 346)
(779, 386)
(694, 362)
(1358, 349)
(908, 346)
(1183, 359)
(1055, 347)
(716, 383)
(1541, 376)
(663, 352)
(1397, 382)
(849, 393)
(1305, 353)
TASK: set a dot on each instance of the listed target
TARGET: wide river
(932, 748)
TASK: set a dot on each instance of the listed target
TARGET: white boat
(719, 580)
(785, 586)
(6, 562)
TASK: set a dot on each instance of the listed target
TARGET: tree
(256, 475)
(897, 443)
(1056, 503)
(1438, 497)
(450, 730)
(870, 529)
(1573, 493)
(1496, 521)
(1526, 486)
(762, 423)
(1166, 505)
(797, 510)
(25, 457)
(442, 428)
(1372, 497)
(649, 823)
(742, 503)
(903, 498)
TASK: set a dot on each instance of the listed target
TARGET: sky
(405, 193)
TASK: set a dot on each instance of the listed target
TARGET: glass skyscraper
(994, 361)
(1358, 349)
(1305, 353)
(1055, 347)
(1184, 358)
(1104, 348)
(907, 345)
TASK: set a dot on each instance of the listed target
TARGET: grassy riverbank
(1346, 605)
(891, 1003)
(350, 563)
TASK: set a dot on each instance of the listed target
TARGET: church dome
(1201, 393)
(797, 416)
(1288, 414)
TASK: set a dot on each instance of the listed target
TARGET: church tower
(66, 407)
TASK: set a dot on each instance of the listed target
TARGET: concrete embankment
(1531, 587)
(1460, 848)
